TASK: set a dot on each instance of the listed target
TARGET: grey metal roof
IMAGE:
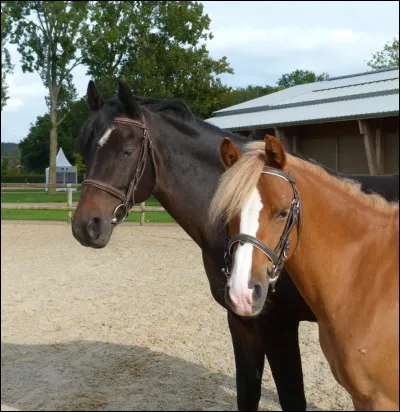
(355, 96)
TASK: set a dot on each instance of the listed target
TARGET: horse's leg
(249, 357)
(283, 354)
(280, 335)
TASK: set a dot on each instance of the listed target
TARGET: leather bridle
(278, 255)
(140, 167)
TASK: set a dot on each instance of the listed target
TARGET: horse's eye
(282, 214)
(127, 153)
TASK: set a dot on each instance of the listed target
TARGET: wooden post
(142, 214)
(337, 162)
(380, 154)
(281, 135)
(365, 130)
(294, 146)
(69, 203)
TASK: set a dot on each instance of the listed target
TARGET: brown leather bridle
(141, 165)
(278, 255)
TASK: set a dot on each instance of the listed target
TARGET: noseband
(278, 255)
(140, 167)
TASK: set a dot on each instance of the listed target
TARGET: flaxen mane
(238, 182)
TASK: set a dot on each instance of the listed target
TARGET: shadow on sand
(85, 375)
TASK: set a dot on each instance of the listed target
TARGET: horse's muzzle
(92, 231)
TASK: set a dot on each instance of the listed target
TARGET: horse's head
(117, 150)
(257, 203)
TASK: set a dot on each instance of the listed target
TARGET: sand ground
(132, 326)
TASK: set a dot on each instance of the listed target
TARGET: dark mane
(178, 107)
(181, 111)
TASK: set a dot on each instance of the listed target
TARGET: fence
(142, 209)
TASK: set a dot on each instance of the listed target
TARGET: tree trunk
(53, 149)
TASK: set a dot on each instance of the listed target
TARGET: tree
(156, 46)
(241, 94)
(388, 57)
(79, 163)
(35, 148)
(48, 34)
(300, 77)
(6, 66)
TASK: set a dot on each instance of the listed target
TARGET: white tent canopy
(65, 172)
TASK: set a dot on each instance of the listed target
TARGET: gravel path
(132, 326)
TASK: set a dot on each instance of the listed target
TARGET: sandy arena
(132, 326)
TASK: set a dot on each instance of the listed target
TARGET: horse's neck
(339, 236)
(190, 171)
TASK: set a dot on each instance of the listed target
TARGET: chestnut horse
(340, 247)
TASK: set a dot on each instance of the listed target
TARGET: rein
(277, 259)
(140, 167)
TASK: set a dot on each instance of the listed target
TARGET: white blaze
(105, 136)
(238, 282)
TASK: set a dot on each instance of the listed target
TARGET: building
(348, 123)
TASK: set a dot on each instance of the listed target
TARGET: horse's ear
(93, 97)
(274, 152)
(126, 96)
(229, 153)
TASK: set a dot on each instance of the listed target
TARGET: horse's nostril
(96, 221)
(93, 227)
(257, 291)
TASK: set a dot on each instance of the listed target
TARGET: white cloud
(272, 40)
(23, 86)
(13, 104)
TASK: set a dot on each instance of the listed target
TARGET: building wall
(391, 145)
(340, 145)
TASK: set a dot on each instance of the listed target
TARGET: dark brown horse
(137, 147)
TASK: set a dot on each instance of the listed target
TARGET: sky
(261, 39)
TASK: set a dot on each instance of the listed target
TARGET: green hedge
(30, 178)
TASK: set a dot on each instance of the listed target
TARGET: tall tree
(386, 58)
(300, 77)
(158, 48)
(48, 34)
(6, 66)
(35, 148)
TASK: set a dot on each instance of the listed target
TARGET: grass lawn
(59, 215)
(37, 197)
(43, 197)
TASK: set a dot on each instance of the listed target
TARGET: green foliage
(156, 46)
(35, 147)
(6, 66)
(5, 160)
(78, 162)
(388, 57)
(300, 77)
(241, 94)
(24, 178)
(9, 165)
